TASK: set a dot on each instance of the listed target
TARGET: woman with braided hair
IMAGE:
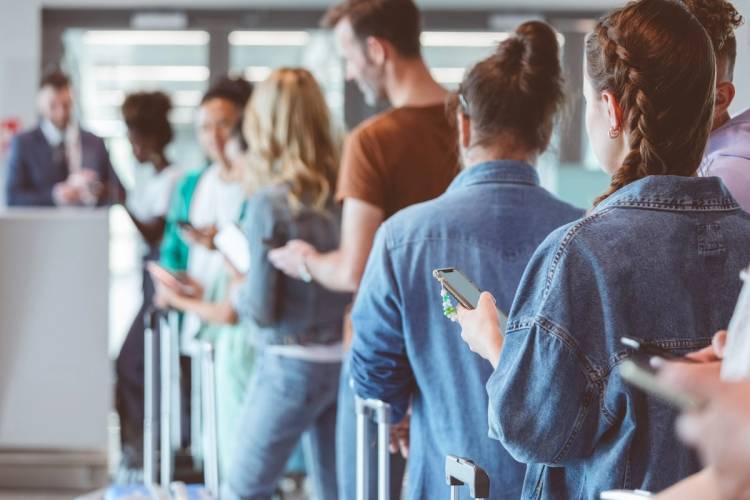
(657, 259)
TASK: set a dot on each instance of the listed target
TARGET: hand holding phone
(646, 380)
(463, 290)
(177, 282)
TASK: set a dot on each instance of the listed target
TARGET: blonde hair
(288, 129)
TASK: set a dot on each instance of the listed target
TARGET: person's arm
(380, 368)
(152, 229)
(18, 188)
(700, 486)
(218, 313)
(340, 270)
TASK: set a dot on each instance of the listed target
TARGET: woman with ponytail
(488, 224)
(658, 259)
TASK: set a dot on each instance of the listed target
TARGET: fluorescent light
(145, 37)
(448, 75)
(152, 73)
(469, 38)
(269, 38)
(462, 38)
(257, 73)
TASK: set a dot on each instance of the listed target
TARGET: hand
(201, 236)
(181, 283)
(480, 328)
(64, 194)
(291, 258)
(400, 436)
(714, 352)
(720, 430)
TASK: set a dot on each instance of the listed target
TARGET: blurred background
(112, 47)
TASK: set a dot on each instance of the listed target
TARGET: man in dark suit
(57, 163)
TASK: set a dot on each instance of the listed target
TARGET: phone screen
(458, 285)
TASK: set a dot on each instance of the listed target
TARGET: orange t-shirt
(400, 157)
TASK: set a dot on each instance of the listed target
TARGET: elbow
(525, 444)
(350, 279)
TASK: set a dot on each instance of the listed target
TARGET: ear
(725, 92)
(464, 129)
(376, 50)
(614, 111)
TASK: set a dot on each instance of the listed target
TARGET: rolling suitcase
(166, 343)
(462, 472)
(380, 412)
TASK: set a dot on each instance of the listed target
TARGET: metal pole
(149, 444)
(363, 465)
(384, 456)
(165, 356)
(210, 438)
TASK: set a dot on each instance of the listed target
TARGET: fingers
(701, 380)
(719, 343)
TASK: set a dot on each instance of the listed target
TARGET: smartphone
(186, 225)
(173, 280)
(649, 350)
(232, 244)
(645, 379)
(461, 288)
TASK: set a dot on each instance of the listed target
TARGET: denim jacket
(659, 260)
(286, 310)
(487, 225)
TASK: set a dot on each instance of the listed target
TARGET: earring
(614, 133)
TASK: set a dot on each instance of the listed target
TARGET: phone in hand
(170, 279)
(463, 290)
(646, 380)
(186, 225)
(649, 349)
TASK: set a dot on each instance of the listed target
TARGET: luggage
(463, 472)
(380, 412)
(166, 343)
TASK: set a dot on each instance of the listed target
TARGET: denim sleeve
(258, 297)
(545, 395)
(379, 365)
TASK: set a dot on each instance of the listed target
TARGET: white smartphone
(232, 244)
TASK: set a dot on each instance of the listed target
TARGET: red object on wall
(8, 128)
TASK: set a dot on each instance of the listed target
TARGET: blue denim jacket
(487, 225)
(659, 260)
(286, 310)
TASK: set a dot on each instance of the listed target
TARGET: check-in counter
(55, 372)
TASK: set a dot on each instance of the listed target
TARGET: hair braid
(638, 111)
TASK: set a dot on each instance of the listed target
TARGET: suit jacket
(32, 172)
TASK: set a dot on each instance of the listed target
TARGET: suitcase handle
(460, 472)
(380, 412)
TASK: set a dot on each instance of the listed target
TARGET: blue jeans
(346, 447)
(287, 399)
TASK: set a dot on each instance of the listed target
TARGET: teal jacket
(174, 250)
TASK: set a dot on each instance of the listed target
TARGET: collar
(54, 135)
(497, 172)
(673, 192)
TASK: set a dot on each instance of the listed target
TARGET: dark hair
(147, 114)
(658, 62)
(396, 21)
(55, 79)
(235, 90)
(239, 135)
(518, 90)
(720, 19)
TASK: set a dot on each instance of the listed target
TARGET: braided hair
(658, 62)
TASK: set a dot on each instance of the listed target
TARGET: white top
(152, 197)
(314, 353)
(215, 202)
